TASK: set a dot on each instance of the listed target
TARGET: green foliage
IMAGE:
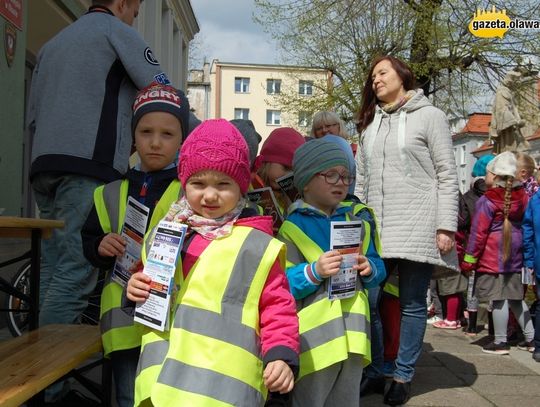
(344, 36)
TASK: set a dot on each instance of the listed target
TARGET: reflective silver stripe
(111, 199)
(319, 295)
(213, 325)
(333, 329)
(244, 269)
(209, 383)
(152, 354)
(114, 318)
(357, 323)
(293, 254)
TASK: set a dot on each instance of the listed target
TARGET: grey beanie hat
(251, 136)
(313, 157)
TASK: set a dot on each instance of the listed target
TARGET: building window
(241, 113)
(463, 155)
(241, 85)
(273, 86)
(304, 119)
(305, 88)
(273, 117)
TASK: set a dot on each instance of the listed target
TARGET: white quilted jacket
(406, 172)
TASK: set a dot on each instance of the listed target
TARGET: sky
(228, 33)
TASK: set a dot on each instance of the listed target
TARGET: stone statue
(506, 122)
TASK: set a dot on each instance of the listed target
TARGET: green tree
(344, 36)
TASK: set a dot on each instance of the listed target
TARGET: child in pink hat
(275, 161)
(234, 329)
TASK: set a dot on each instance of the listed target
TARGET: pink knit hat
(280, 146)
(215, 145)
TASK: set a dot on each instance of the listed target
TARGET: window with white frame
(241, 85)
(305, 88)
(241, 113)
(273, 117)
(273, 86)
(304, 119)
(463, 155)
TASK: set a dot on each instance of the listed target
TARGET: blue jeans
(375, 369)
(414, 280)
(124, 368)
(67, 279)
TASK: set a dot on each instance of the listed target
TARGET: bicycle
(17, 308)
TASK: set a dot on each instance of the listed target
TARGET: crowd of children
(253, 319)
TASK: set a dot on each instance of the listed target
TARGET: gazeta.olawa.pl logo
(490, 24)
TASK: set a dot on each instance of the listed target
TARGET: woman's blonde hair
(326, 117)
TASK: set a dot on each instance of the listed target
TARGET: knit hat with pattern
(280, 146)
(215, 145)
(313, 157)
(161, 98)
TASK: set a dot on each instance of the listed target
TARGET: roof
(477, 123)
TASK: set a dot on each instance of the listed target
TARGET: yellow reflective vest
(211, 356)
(329, 330)
(117, 329)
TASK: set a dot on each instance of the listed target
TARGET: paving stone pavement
(454, 372)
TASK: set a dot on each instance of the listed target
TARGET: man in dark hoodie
(79, 113)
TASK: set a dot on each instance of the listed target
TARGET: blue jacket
(316, 224)
(531, 235)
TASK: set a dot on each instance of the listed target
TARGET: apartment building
(256, 92)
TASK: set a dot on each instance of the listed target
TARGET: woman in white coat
(406, 172)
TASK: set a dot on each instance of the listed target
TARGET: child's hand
(328, 264)
(278, 377)
(363, 266)
(445, 241)
(138, 287)
(112, 245)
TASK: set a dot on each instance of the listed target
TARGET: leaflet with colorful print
(133, 232)
(160, 266)
(345, 237)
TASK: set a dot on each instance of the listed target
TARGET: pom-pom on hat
(280, 146)
(313, 157)
(504, 164)
(161, 98)
(479, 169)
(215, 145)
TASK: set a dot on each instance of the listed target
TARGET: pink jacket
(277, 309)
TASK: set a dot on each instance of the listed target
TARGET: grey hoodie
(82, 90)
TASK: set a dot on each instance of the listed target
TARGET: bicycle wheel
(17, 317)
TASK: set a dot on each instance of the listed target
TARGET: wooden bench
(35, 360)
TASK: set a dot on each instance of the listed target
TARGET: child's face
(324, 195)
(490, 179)
(158, 137)
(276, 170)
(212, 194)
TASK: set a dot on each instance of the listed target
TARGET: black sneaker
(497, 348)
(536, 356)
(528, 346)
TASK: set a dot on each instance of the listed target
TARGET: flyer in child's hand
(287, 186)
(160, 266)
(345, 237)
(133, 232)
(264, 197)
